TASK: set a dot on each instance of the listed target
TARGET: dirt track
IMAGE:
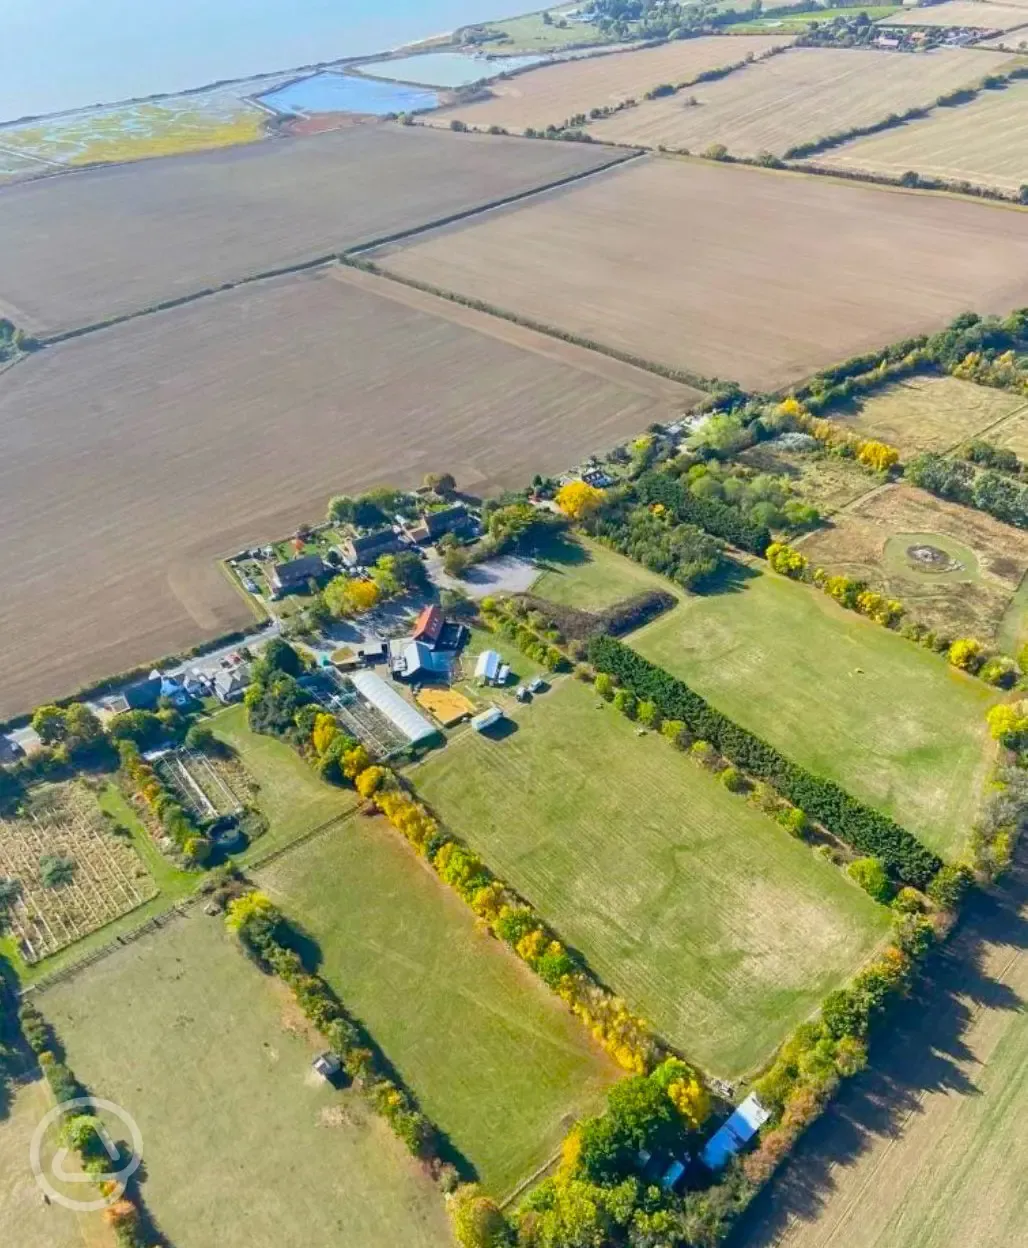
(84, 247)
(747, 274)
(132, 457)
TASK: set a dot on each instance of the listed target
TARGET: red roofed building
(429, 626)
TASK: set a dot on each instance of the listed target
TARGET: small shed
(327, 1065)
(488, 666)
(487, 719)
(736, 1133)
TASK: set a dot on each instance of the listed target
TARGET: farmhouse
(435, 524)
(371, 546)
(735, 1134)
(399, 712)
(287, 578)
(231, 685)
(429, 626)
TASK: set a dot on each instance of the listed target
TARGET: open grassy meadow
(930, 413)
(495, 1059)
(213, 1062)
(550, 94)
(673, 888)
(583, 574)
(798, 98)
(984, 142)
(117, 240)
(605, 260)
(24, 1218)
(174, 424)
(890, 722)
(290, 793)
(976, 595)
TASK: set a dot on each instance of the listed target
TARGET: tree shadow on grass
(557, 551)
(731, 578)
(923, 1051)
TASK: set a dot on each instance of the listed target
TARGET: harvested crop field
(80, 249)
(930, 413)
(552, 93)
(969, 13)
(494, 1057)
(869, 540)
(132, 457)
(671, 886)
(894, 724)
(984, 142)
(748, 274)
(797, 98)
(213, 1060)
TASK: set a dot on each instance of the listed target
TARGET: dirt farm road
(924, 1150)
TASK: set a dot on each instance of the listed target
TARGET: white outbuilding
(488, 667)
(395, 708)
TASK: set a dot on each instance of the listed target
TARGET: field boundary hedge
(853, 822)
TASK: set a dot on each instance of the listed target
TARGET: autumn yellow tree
(325, 729)
(344, 596)
(967, 654)
(579, 500)
(355, 761)
(878, 456)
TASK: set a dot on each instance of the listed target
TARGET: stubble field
(133, 457)
(796, 98)
(494, 1058)
(890, 722)
(672, 887)
(213, 1061)
(80, 249)
(984, 142)
(552, 93)
(971, 13)
(757, 276)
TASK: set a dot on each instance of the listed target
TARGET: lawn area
(794, 23)
(890, 722)
(493, 1056)
(24, 1219)
(292, 796)
(583, 574)
(529, 33)
(706, 916)
(243, 1146)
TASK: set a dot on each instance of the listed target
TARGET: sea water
(64, 54)
(448, 69)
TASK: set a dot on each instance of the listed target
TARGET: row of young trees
(853, 822)
(960, 480)
(82, 1132)
(271, 941)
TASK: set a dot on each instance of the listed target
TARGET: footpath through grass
(243, 1146)
(706, 916)
(493, 1056)
(890, 722)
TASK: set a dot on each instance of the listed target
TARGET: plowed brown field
(758, 276)
(130, 458)
(84, 247)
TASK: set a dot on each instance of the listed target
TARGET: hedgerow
(871, 833)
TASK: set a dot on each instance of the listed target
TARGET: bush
(950, 885)
(872, 878)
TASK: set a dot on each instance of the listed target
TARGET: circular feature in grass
(918, 556)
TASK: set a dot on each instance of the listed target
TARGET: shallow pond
(347, 93)
(448, 69)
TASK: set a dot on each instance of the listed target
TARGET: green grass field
(586, 575)
(529, 33)
(291, 794)
(890, 722)
(493, 1056)
(243, 1146)
(798, 22)
(705, 915)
